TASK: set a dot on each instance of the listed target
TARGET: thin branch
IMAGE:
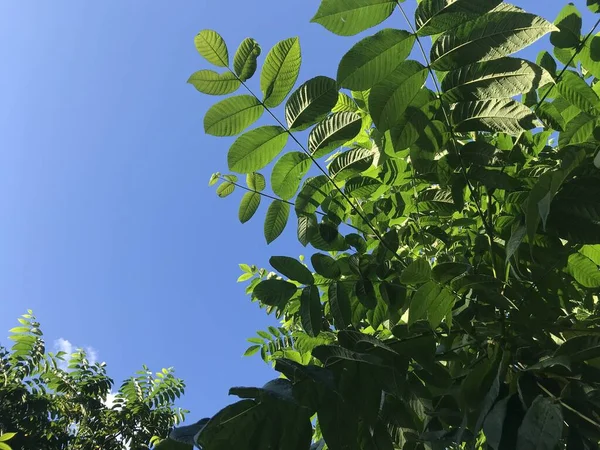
(573, 410)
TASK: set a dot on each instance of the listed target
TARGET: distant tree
(451, 194)
(55, 401)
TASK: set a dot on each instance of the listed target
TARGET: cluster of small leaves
(453, 297)
(56, 401)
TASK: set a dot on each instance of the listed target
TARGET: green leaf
(542, 426)
(274, 292)
(310, 310)
(590, 55)
(447, 272)
(280, 71)
(252, 350)
(292, 268)
(7, 436)
(569, 24)
(276, 220)
(248, 206)
(312, 194)
(169, 444)
(422, 300)
(579, 349)
(593, 5)
(351, 163)
(373, 58)
(212, 47)
(578, 92)
(437, 16)
(311, 103)
(491, 36)
(213, 83)
(592, 252)
(307, 227)
(440, 308)
(550, 115)
(495, 115)
(345, 103)
(325, 266)
(335, 130)
(245, 59)
(232, 115)
(255, 149)
(225, 188)
(389, 99)
(419, 271)
(339, 302)
(579, 130)
(585, 271)
(350, 17)
(288, 173)
(500, 78)
(256, 181)
(362, 187)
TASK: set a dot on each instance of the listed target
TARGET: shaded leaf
(292, 269)
(274, 292)
(312, 194)
(325, 265)
(339, 302)
(419, 271)
(310, 310)
(542, 426)
(335, 130)
(311, 102)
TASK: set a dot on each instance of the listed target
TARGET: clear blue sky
(108, 230)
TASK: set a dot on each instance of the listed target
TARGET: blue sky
(108, 230)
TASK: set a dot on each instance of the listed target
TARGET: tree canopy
(54, 401)
(448, 194)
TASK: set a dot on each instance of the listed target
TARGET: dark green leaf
(310, 310)
(374, 58)
(335, 130)
(542, 426)
(339, 302)
(347, 18)
(447, 272)
(292, 269)
(422, 300)
(274, 292)
(312, 194)
(351, 163)
(419, 271)
(491, 36)
(569, 23)
(311, 102)
(325, 266)
(578, 92)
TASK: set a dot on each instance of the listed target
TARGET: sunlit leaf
(248, 206)
(311, 102)
(213, 83)
(232, 115)
(500, 115)
(245, 59)
(349, 17)
(280, 71)
(276, 220)
(255, 149)
(288, 173)
(437, 16)
(212, 47)
(335, 130)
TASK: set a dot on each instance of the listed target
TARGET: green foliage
(453, 205)
(56, 401)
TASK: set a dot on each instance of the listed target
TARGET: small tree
(53, 403)
(453, 295)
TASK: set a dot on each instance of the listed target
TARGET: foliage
(453, 205)
(57, 401)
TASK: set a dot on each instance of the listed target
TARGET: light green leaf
(252, 350)
(421, 301)
(389, 99)
(593, 5)
(500, 78)
(312, 194)
(288, 173)
(232, 115)
(244, 61)
(419, 271)
(339, 302)
(274, 292)
(585, 271)
(212, 47)
(213, 83)
(255, 149)
(350, 17)
(499, 115)
(578, 131)
(7, 436)
(590, 55)
(311, 102)
(225, 188)
(491, 36)
(345, 103)
(280, 71)
(292, 268)
(351, 163)
(374, 58)
(569, 23)
(578, 92)
(335, 130)
(248, 206)
(214, 178)
(310, 310)
(542, 426)
(437, 16)
(592, 252)
(256, 181)
(325, 266)
(276, 220)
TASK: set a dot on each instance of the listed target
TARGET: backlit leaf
(212, 47)
(232, 115)
(349, 17)
(245, 59)
(311, 102)
(213, 83)
(255, 149)
(248, 206)
(280, 71)
(335, 130)
(437, 16)
(276, 220)
(288, 173)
